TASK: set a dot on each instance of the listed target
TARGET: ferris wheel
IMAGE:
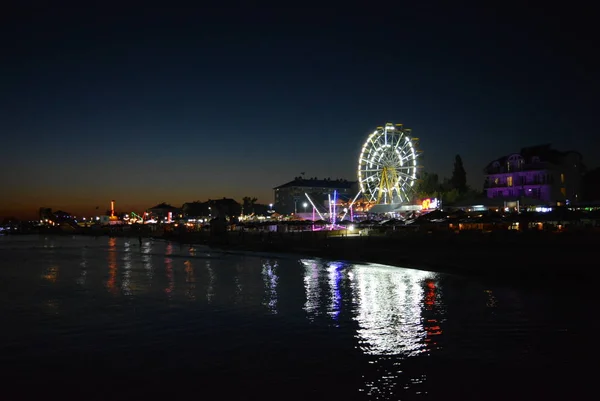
(387, 167)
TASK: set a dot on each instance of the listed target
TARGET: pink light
(330, 210)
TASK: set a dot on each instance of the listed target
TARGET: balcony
(495, 185)
(518, 183)
(524, 167)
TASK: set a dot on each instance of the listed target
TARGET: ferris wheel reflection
(394, 308)
(390, 303)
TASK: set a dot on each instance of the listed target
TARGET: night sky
(152, 105)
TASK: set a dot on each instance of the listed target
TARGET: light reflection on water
(389, 309)
(394, 325)
(269, 273)
(190, 280)
(387, 304)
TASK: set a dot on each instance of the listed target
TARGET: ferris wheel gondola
(387, 166)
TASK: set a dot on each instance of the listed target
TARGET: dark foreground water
(110, 319)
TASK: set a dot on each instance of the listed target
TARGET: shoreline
(513, 258)
(516, 259)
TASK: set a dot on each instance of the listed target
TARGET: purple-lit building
(537, 175)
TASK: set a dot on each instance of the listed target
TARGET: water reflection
(335, 276)
(491, 301)
(112, 265)
(390, 306)
(384, 327)
(432, 322)
(83, 264)
(396, 311)
(147, 259)
(210, 289)
(190, 280)
(169, 270)
(126, 282)
(311, 287)
(389, 309)
(388, 303)
(269, 273)
(51, 274)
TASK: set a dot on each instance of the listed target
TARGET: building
(163, 212)
(226, 207)
(290, 197)
(537, 175)
(195, 210)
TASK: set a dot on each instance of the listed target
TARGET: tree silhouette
(428, 186)
(248, 204)
(459, 176)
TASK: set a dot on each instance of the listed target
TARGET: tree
(248, 204)
(428, 186)
(451, 197)
(459, 176)
(590, 185)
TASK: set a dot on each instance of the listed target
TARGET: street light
(304, 205)
(270, 206)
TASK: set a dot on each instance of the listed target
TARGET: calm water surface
(108, 318)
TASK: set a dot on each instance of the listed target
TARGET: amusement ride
(387, 170)
(387, 166)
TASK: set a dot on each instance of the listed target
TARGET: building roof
(164, 206)
(316, 183)
(544, 152)
(223, 201)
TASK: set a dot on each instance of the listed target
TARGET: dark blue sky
(153, 105)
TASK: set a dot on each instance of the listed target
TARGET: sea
(101, 318)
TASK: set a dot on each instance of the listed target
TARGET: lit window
(562, 178)
(509, 181)
(563, 191)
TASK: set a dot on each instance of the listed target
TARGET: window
(496, 180)
(563, 191)
(509, 181)
(562, 178)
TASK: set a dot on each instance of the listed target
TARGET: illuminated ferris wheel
(387, 167)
